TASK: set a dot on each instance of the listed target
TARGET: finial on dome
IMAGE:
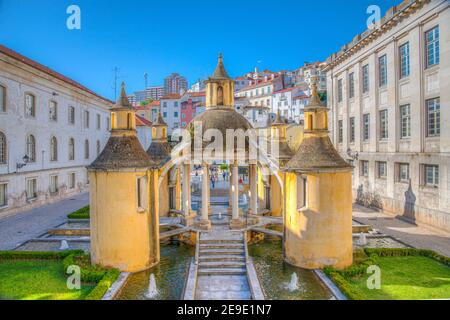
(122, 101)
(314, 101)
(220, 72)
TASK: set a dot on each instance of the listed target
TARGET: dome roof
(317, 154)
(222, 118)
(121, 152)
(159, 153)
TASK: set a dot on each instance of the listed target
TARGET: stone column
(205, 223)
(187, 210)
(236, 222)
(253, 189)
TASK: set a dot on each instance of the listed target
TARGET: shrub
(82, 213)
(92, 274)
(103, 286)
(27, 255)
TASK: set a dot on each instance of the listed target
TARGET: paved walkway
(29, 224)
(416, 236)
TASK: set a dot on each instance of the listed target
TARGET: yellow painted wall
(276, 199)
(121, 237)
(294, 136)
(321, 235)
(164, 206)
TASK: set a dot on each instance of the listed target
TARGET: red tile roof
(142, 122)
(15, 55)
(197, 94)
(171, 96)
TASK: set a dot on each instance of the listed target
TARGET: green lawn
(405, 275)
(37, 280)
(82, 213)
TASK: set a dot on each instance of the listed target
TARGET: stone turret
(220, 87)
(124, 223)
(318, 198)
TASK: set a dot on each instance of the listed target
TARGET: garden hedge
(104, 278)
(23, 255)
(82, 213)
(339, 276)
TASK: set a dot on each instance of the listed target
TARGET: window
(176, 104)
(431, 175)
(302, 192)
(404, 60)
(3, 195)
(364, 168)
(340, 131)
(99, 119)
(72, 181)
(98, 148)
(381, 170)
(3, 148)
(405, 121)
(352, 129)
(86, 149)
(175, 114)
(365, 78)
(403, 172)
(433, 117)
(53, 149)
(340, 90)
(31, 148)
(366, 127)
(71, 149)
(2, 99)
(382, 65)
(432, 47)
(86, 119)
(53, 111)
(384, 133)
(53, 184)
(71, 115)
(108, 124)
(164, 114)
(30, 105)
(141, 184)
(31, 189)
(351, 85)
(164, 104)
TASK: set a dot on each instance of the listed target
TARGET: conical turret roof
(220, 72)
(122, 102)
(159, 121)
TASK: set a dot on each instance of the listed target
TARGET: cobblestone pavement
(416, 236)
(29, 224)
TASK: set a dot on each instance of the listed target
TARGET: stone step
(228, 295)
(222, 258)
(221, 252)
(221, 271)
(221, 245)
(221, 264)
(214, 241)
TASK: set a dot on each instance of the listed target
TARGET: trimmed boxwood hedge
(339, 276)
(82, 213)
(104, 278)
(36, 255)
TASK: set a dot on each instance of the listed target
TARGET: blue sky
(160, 36)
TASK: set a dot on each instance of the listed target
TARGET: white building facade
(389, 96)
(290, 103)
(51, 128)
(171, 111)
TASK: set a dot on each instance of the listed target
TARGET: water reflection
(281, 281)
